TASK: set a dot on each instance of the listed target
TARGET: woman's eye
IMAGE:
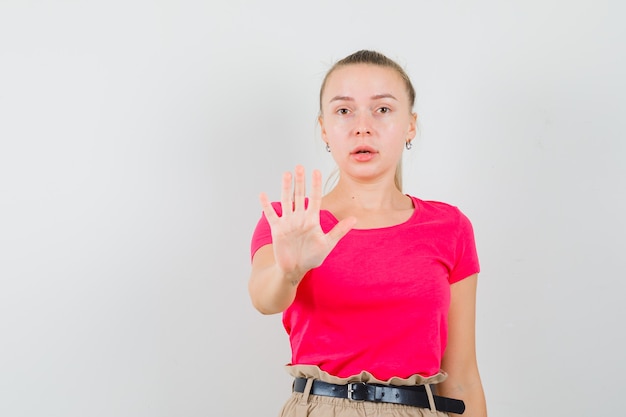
(384, 110)
(342, 111)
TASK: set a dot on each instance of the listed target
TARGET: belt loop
(302, 409)
(431, 400)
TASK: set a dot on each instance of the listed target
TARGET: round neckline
(416, 210)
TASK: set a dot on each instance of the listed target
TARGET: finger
(286, 194)
(315, 198)
(268, 209)
(340, 230)
(299, 189)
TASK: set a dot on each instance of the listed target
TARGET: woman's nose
(362, 131)
(363, 126)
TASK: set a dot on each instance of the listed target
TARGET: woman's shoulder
(435, 206)
(439, 211)
(444, 215)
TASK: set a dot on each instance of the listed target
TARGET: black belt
(414, 395)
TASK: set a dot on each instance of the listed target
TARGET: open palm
(298, 240)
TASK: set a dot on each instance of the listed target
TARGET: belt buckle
(351, 390)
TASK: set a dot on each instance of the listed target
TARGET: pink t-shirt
(379, 302)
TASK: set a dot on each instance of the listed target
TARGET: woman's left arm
(459, 359)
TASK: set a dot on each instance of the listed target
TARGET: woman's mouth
(363, 154)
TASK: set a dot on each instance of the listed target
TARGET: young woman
(377, 288)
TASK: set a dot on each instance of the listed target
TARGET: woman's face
(366, 120)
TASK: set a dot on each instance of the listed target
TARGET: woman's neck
(368, 197)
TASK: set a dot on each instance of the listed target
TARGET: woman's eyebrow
(374, 97)
(341, 98)
(379, 96)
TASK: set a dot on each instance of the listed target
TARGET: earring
(327, 147)
(408, 145)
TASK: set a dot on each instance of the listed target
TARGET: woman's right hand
(298, 241)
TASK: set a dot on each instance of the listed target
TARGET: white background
(137, 135)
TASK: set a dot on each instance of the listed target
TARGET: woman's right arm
(298, 244)
(271, 289)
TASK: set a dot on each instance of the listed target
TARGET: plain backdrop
(135, 137)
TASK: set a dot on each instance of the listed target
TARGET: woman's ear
(320, 120)
(412, 126)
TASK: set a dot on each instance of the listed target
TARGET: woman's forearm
(470, 390)
(273, 290)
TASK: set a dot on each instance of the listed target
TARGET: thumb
(340, 230)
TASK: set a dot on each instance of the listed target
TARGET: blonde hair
(365, 56)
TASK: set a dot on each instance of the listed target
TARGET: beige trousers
(306, 405)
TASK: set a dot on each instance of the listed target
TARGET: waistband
(416, 396)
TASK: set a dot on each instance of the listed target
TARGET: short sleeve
(466, 256)
(263, 233)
